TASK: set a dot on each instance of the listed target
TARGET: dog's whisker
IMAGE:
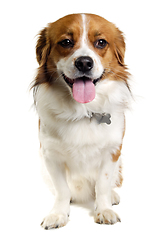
(114, 70)
(60, 75)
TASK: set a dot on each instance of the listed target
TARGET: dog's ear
(42, 47)
(119, 47)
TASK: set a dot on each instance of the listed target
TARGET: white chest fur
(68, 134)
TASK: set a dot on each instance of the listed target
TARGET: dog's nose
(84, 64)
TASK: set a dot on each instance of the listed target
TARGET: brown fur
(49, 52)
(115, 156)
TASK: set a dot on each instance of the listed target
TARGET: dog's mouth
(83, 88)
(70, 82)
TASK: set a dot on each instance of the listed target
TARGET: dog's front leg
(103, 205)
(58, 216)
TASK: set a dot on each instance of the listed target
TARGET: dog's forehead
(68, 25)
(99, 27)
(74, 25)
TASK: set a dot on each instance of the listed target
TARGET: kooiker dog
(81, 93)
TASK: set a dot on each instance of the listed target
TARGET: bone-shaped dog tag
(103, 118)
(106, 119)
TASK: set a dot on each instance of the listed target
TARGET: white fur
(74, 144)
(76, 150)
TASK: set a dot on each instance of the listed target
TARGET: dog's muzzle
(83, 87)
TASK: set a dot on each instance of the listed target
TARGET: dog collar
(102, 118)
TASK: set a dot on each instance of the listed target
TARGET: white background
(24, 198)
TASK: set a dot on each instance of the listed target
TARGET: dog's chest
(86, 144)
(82, 143)
(67, 130)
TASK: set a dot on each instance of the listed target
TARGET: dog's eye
(66, 43)
(100, 43)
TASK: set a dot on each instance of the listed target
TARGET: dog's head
(81, 50)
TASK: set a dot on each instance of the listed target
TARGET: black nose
(84, 64)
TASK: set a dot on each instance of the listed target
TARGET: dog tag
(106, 119)
(103, 118)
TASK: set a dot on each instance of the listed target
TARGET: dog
(81, 93)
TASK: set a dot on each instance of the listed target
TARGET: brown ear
(119, 47)
(42, 47)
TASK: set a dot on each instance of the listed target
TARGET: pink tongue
(83, 91)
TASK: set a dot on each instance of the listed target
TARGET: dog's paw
(106, 216)
(54, 220)
(115, 198)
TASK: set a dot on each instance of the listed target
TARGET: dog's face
(81, 49)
